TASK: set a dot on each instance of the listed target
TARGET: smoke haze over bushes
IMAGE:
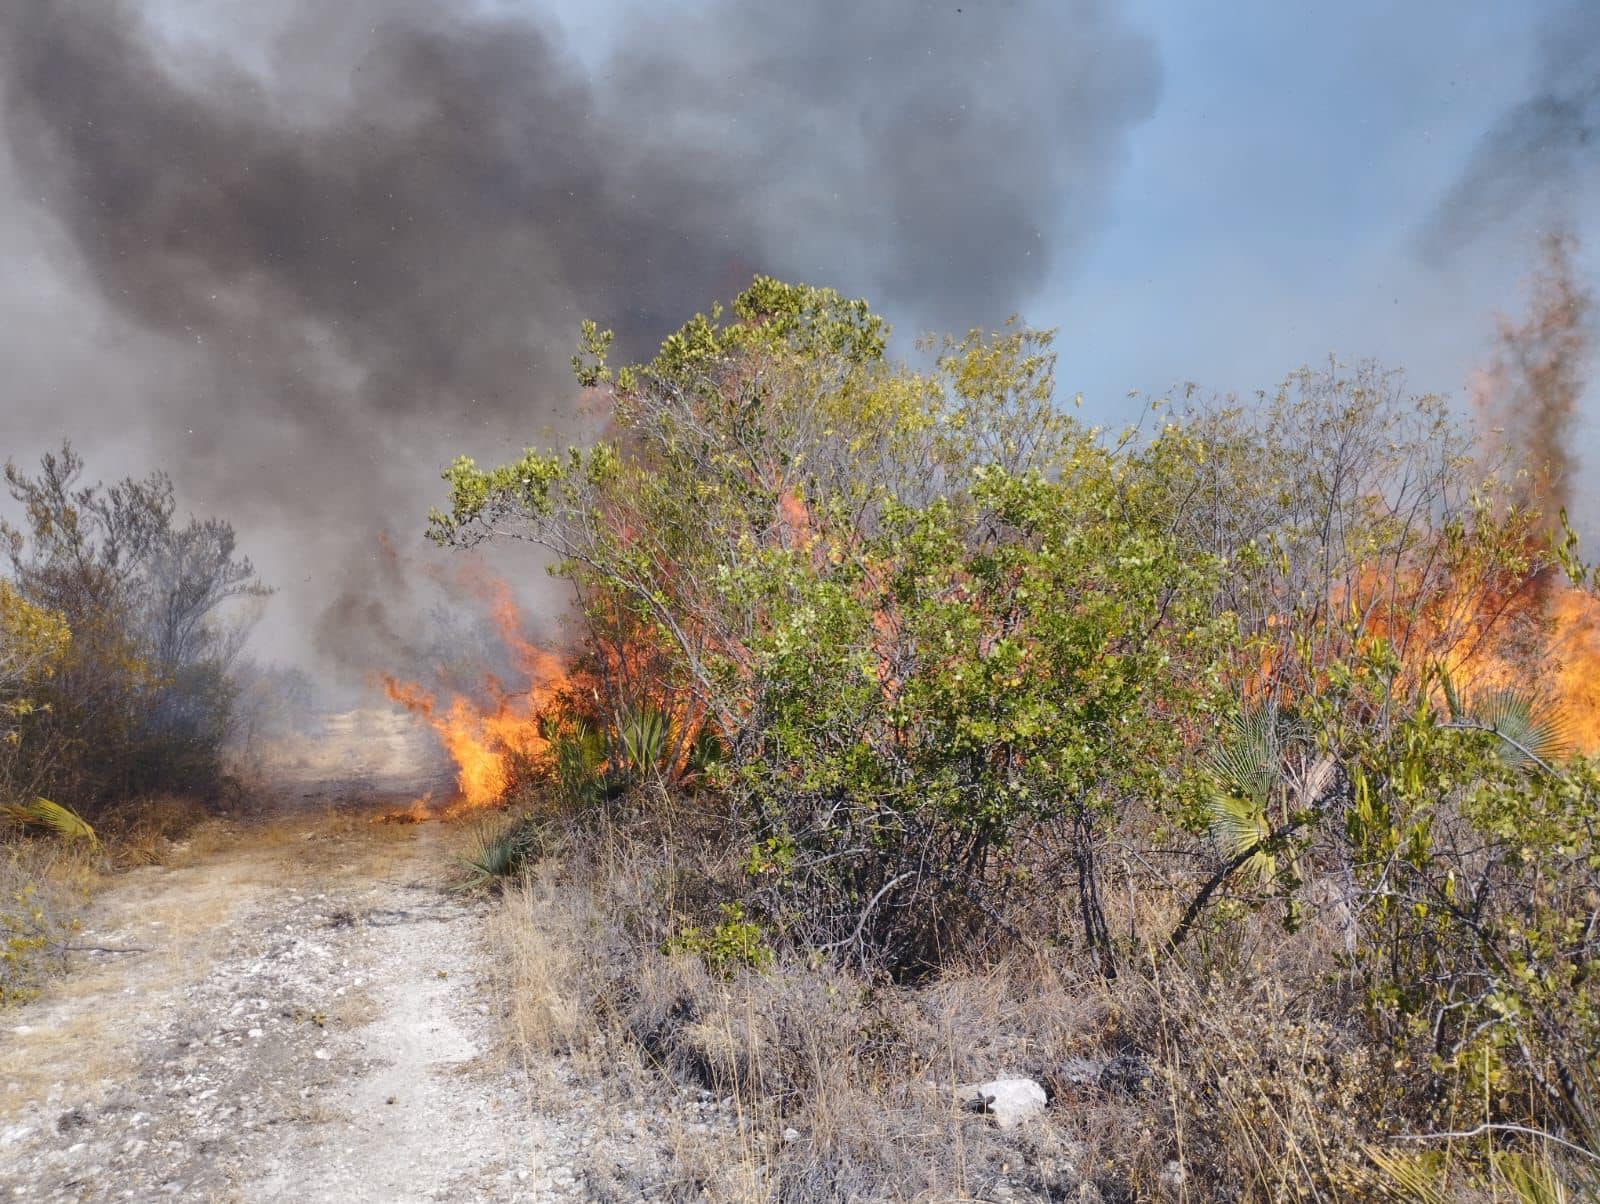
(1540, 154)
(334, 244)
(299, 255)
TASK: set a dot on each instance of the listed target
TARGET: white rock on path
(1008, 1102)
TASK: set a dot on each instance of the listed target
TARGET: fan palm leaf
(1247, 763)
(1245, 769)
(1529, 726)
(53, 817)
(1240, 826)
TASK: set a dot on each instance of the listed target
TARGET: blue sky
(1270, 207)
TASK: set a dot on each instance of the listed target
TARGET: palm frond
(1247, 763)
(1245, 768)
(1528, 724)
(1315, 779)
(1240, 827)
(1451, 698)
(579, 754)
(53, 817)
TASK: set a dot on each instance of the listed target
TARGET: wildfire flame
(1570, 658)
(1576, 645)
(486, 740)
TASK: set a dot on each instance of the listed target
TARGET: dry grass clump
(154, 830)
(1249, 1081)
(46, 881)
(831, 1086)
(43, 885)
(1259, 1094)
(540, 973)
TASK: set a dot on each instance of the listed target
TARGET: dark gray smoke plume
(353, 240)
(1541, 154)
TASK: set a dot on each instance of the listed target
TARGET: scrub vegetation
(120, 634)
(1228, 776)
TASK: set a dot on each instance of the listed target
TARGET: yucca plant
(580, 758)
(1521, 1178)
(501, 854)
(51, 817)
(644, 741)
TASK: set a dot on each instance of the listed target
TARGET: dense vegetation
(117, 641)
(1241, 721)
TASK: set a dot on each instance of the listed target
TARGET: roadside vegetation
(1220, 775)
(120, 634)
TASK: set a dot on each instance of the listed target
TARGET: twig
(1490, 1127)
(862, 922)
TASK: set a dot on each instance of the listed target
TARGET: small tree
(142, 696)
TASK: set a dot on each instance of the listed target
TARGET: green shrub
(138, 700)
(732, 942)
(501, 854)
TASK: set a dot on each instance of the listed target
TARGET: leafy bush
(138, 698)
(911, 667)
(733, 941)
(983, 679)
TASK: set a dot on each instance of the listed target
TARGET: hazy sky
(301, 261)
(1277, 205)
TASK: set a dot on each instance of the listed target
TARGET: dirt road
(304, 1017)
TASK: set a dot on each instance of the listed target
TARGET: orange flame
(1575, 644)
(1564, 660)
(486, 741)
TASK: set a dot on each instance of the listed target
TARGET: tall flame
(1575, 644)
(486, 740)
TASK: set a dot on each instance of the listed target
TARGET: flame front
(1576, 646)
(487, 741)
(1470, 628)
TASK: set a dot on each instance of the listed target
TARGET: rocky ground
(303, 1014)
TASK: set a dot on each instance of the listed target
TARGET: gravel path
(307, 1020)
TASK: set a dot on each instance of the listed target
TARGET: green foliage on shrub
(1481, 878)
(24, 942)
(732, 942)
(926, 610)
(971, 666)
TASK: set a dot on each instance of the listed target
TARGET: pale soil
(310, 1017)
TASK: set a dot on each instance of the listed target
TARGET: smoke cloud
(1542, 153)
(349, 242)
(1531, 390)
